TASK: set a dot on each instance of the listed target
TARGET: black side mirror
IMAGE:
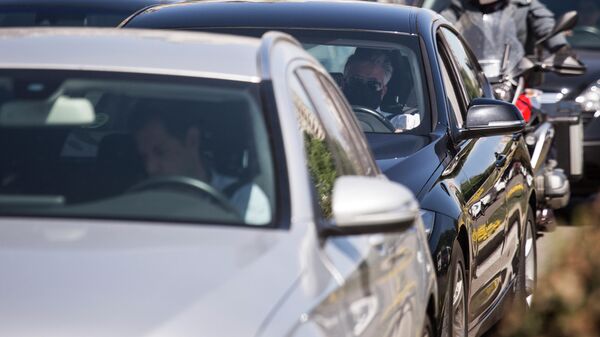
(566, 22)
(569, 66)
(490, 117)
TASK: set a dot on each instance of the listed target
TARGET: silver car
(171, 184)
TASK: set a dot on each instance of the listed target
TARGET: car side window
(451, 93)
(326, 158)
(467, 67)
(336, 125)
(356, 133)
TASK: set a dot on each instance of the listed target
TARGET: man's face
(369, 72)
(364, 84)
(164, 154)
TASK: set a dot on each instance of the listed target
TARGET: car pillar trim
(268, 40)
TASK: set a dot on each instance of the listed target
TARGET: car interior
(404, 95)
(45, 165)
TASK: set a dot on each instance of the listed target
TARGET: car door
(485, 167)
(380, 272)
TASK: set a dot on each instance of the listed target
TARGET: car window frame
(449, 63)
(457, 116)
(471, 57)
(302, 72)
(320, 216)
(349, 120)
(280, 219)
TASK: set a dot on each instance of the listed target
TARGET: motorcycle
(493, 38)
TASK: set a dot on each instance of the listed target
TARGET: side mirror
(369, 205)
(566, 22)
(490, 117)
(568, 66)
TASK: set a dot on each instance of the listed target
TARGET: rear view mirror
(490, 117)
(564, 66)
(62, 111)
(566, 22)
(369, 205)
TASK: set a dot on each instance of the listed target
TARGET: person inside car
(170, 144)
(366, 75)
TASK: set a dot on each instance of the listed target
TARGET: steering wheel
(375, 116)
(185, 183)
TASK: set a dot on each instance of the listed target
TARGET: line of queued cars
(230, 168)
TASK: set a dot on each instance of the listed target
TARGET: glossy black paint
(484, 112)
(477, 188)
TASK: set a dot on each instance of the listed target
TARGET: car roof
(354, 15)
(138, 51)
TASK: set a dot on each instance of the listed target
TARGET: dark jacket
(533, 19)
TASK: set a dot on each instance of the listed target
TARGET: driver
(170, 144)
(366, 75)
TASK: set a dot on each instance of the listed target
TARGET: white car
(186, 184)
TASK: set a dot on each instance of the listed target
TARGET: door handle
(500, 160)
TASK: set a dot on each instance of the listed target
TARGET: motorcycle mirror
(567, 66)
(524, 66)
(566, 22)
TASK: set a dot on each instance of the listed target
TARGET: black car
(98, 13)
(585, 40)
(436, 130)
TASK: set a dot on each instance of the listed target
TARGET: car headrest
(338, 78)
(400, 86)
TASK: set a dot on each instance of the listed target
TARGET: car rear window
(127, 146)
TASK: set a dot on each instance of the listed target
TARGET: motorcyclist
(532, 21)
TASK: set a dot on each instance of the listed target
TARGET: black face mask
(362, 93)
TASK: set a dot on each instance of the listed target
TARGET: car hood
(407, 159)
(575, 84)
(78, 278)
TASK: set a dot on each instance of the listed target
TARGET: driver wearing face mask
(366, 75)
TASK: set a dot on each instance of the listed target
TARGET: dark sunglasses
(369, 82)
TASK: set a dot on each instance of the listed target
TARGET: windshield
(383, 81)
(489, 35)
(586, 35)
(125, 146)
(23, 16)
